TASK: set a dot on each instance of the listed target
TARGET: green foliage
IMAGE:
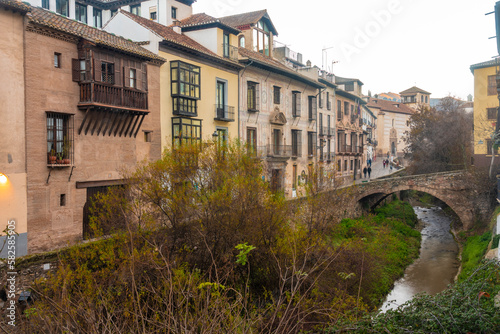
(465, 307)
(400, 210)
(473, 251)
(242, 255)
(170, 264)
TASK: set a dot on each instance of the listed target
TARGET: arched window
(242, 41)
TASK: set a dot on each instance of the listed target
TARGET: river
(438, 262)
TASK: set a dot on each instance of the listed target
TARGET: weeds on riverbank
(466, 307)
(203, 246)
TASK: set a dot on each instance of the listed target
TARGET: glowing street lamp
(3, 179)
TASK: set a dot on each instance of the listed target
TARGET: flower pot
(66, 161)
(52, 159)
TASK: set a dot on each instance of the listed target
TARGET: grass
(474, 249)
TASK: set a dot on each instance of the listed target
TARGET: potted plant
(59, 158)
(52, 157)
(66, 151)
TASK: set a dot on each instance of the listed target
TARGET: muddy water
(438, 262)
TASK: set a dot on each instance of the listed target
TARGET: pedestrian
(364, 171)
(383, 162)
(391, 167)
(370, 162)
(369, 171)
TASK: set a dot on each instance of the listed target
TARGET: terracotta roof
(259, 60)
(52, 20)
(250, 18)
(14, 5)
(489, 63)
(390, 106)
(202, 20)
(414, 90)
(168, 34)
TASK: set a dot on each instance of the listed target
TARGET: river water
(438, 262)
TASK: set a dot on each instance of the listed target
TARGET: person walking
(369, 171)
(364, 171)
(383, 163)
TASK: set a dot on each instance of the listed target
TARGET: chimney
(308, 63)
(177, 26)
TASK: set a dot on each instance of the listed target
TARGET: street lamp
(3, 178)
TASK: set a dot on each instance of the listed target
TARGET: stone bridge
(456, 189)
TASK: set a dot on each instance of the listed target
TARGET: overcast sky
(390, 45)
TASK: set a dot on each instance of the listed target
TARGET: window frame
(135, 9)
(97, 17)
(57, 60)
(173, 12)
(312, 108)
(296, 103)
(252, 96)
(81, 12)
(186, 130)
(185, 78)
(311, 144)
(62, 7)
(225, 44)
(492, 112)
(59, 137)
(276, 94)
(296, 143)
(108, 72)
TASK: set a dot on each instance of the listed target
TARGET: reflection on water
(437, 265)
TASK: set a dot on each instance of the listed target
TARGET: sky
(390, 45)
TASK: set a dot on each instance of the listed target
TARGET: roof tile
(390, 106)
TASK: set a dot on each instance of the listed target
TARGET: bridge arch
(450, 188)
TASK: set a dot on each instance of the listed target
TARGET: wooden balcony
(94, 93)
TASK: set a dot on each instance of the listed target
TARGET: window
(80, 70)
(57, 60)
(152, 16)
(311, 144)
(242, 41)
(62, 7)
(277, 138)
(252, 140)
(352, 165)
(222, 139)
(294, 176)
(133, 78)
(45, 4)
(320, 99)
(313, 108)
(339, 167)
(426, 99)
(492, 85)
(174, 13)
(108, 72)
(225, 45)
(320, 125)
(296, 143)
(349, 87)
(252, 96)
(328, 103)
(185, 88)
(276, 95)
(80, 12)
(97, 18)
(62, 200)
(221, 100)
(136, 9)
(421, 98)
(261, 38)
(345, 165)
(59, 138)
(492, 113)
(339, 110)
(148, 136)
(329, 132)
(346, 108)
(296, 104)
(186, 131)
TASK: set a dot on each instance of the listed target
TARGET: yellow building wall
(206, 104)
(483, 128)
